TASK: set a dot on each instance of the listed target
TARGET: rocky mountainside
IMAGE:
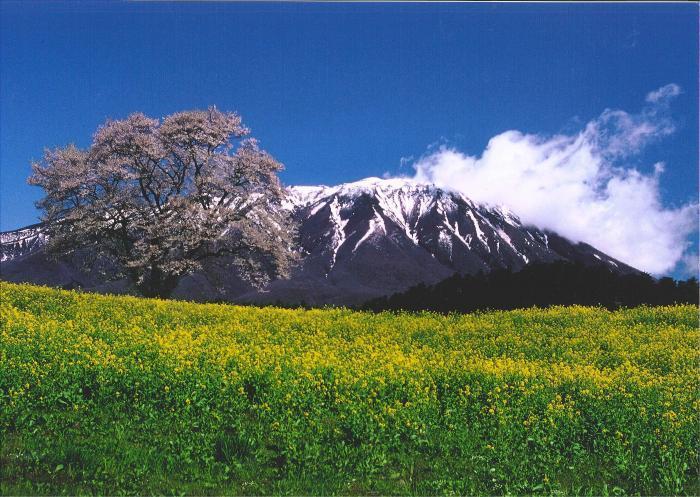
(361, 240)
(17, 243)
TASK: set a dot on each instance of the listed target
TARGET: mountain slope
(360, 240)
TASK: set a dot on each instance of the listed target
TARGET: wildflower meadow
(123, 395)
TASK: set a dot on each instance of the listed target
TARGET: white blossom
(155, 199)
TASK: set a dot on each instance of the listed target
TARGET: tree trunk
(157, 284)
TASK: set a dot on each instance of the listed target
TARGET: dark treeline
(542, 285)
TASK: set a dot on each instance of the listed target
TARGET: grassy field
(120, 395)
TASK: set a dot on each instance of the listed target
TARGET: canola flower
(537, 400)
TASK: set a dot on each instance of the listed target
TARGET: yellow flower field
(102, 394)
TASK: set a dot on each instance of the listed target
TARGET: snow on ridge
(507, 239)
(20, 234)
(445, 240)
(16, 243)
(479, 232)
(400, 208)
(455, 231)
(405, 201)
(373, 223)
(502, 234)
(305, 195)
(399, 197)
(374, 182)
(606, 259)
(508, 215)
(339, 230)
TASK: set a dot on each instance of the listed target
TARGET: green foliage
(120, 395)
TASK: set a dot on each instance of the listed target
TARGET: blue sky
(338, 92)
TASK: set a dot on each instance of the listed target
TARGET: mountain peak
(304, 196)
(375, 182)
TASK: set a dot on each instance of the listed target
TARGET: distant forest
(541, 285)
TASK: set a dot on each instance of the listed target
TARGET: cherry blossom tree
(156, 198)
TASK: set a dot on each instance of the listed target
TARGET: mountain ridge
(360, 240)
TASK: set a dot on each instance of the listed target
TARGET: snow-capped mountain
(361, 240)
(15, 244)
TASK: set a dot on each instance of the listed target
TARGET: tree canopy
(153, 199)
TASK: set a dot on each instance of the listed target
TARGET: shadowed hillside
(541, 285)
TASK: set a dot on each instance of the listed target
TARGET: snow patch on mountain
(16, 243)
(338, 229)
(374, 223)
(479, 232)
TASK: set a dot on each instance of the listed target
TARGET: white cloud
(576, 185)
(664, 93)
(406, 160)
